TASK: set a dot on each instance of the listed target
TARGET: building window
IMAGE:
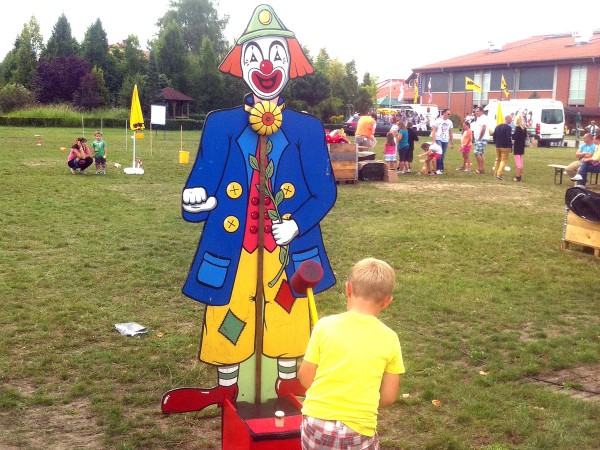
(536, 78)
(483, 80)
(577, 85)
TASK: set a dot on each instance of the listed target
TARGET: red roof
(555, 48)
(169, 93)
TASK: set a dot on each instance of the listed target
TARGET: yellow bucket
(184, 157)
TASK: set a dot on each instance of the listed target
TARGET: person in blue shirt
(586, 149)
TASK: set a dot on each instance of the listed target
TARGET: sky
(386, 39)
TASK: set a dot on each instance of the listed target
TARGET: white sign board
(158, 114)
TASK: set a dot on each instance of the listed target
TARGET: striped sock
(286, 368)
(228, 375)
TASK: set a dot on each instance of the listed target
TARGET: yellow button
(288, 190)
(234, 189)
(231, 224)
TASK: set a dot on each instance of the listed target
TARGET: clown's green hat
(264, 22)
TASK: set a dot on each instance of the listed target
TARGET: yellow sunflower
(265, 118)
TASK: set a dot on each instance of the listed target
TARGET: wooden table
(558, 171)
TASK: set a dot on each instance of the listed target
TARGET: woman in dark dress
(519, 137)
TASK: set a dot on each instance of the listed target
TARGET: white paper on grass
(130, 328)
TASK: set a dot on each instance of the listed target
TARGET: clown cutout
(261, 183)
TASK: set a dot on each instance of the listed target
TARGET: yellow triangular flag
(504, 87)
(470, 85)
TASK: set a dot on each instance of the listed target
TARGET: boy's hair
(425, 146)
(98, 132)
(372, 279)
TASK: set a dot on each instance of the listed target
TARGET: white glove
(194, 200)
(285, 231)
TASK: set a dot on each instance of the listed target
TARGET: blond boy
(352, 365)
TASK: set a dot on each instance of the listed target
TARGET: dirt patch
(581, 382)
(58, 427)
(502, 192)
(529, 333)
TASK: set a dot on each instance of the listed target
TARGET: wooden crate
(344, 161)
(582, 232)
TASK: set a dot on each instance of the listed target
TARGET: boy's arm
(306, 373)
(390, 383)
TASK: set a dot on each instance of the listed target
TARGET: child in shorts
(99, 148)
(466, 142)
(389, 151)
(352, 365)
(434, 153)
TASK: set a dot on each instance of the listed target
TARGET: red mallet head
(307, 276)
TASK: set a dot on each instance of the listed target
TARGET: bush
(14, 96)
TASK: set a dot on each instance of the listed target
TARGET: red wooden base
(246, 426)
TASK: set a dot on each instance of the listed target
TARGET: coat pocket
(213, 270)
(310, 254)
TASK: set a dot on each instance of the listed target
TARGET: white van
(544, 118)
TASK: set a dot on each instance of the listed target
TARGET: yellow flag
(504, 87)
(136, 119)
(470, 85)
(499, 115)
(416, 96)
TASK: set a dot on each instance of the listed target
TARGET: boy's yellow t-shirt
(352, 352)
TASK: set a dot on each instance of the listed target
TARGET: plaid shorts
(320, 434)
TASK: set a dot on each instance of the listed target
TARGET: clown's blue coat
(300, 158)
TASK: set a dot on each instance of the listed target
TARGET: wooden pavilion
(178, 104)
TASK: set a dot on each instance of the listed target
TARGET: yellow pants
(228, 335)
(501, 159)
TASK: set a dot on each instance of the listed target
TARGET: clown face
(266, 66)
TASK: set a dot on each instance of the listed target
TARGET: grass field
(486, 301)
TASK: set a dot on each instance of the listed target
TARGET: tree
(56, 81)
(336, 76)
(350, 83)
(61, 43)
(134, 63)
(322, 62)
(171, 55)
(198, 19)
(207, 83)
(312, 89)
(87, 96)
(94, 48)
(364, 100)
(14, 96)
(152, 93)
(28, 47)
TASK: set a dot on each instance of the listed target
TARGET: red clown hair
(299, 64)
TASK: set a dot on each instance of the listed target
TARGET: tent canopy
(387, 102)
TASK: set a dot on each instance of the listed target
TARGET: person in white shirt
(480, 137)
(592, 128)
(441, 133)
(434, 154)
